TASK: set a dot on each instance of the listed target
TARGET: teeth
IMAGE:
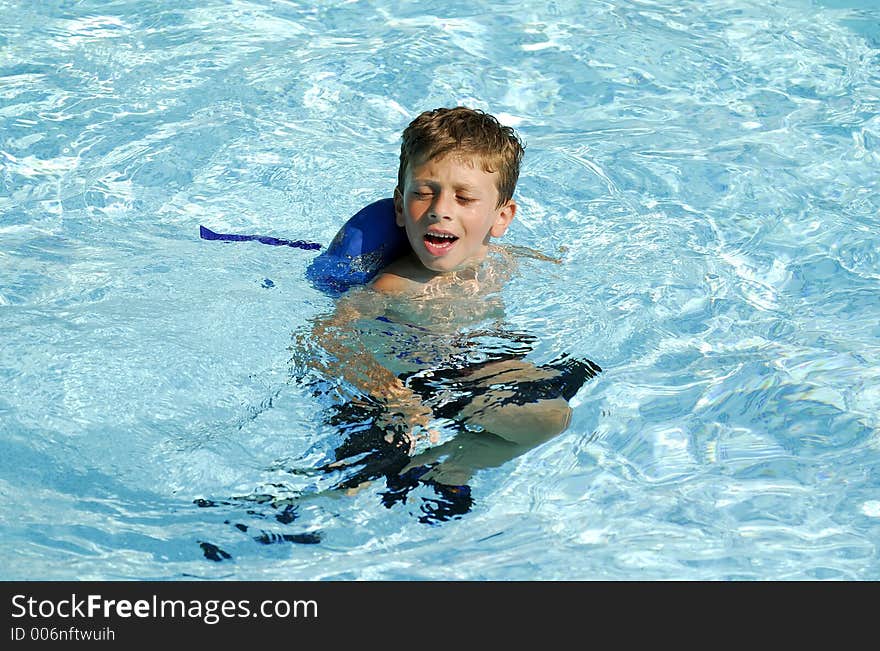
(443, 236)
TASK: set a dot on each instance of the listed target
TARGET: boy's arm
(528, 252)
(353, 362)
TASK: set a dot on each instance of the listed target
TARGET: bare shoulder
(389, 282)
(400, 277)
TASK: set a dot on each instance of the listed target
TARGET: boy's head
(458, 170)
(468, 133)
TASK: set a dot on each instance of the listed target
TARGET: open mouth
(439, 243)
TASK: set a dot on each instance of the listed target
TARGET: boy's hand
(407, 414)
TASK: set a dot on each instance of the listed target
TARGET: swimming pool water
(706, 171)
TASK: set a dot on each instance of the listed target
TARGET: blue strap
(208, 234)
(366, 243)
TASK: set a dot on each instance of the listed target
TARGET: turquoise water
(707, 171)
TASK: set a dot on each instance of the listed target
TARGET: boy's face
(450, 210)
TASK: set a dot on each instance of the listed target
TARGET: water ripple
(705, 172)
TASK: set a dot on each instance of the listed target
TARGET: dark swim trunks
(458, 387)
(369, 453)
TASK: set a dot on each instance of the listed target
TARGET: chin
(438, 267)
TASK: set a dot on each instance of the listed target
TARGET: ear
(398, 208)
(502, 221)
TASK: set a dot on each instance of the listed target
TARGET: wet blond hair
(463, 131)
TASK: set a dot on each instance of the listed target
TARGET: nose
(442, 206)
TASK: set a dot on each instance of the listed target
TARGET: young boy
(435, 384)
(430, 368)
